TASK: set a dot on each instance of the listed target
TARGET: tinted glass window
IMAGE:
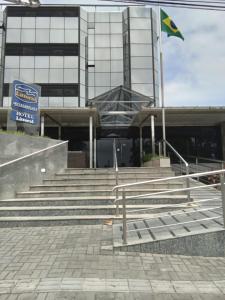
(42, 49)
(43, 11)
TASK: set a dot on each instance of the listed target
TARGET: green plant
(11, 132)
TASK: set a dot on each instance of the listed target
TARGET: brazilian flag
(168, 26)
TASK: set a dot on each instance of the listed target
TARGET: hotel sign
(25, 102)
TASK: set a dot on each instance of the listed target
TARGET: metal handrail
(184, 162)
(32, 154)
(115, 165)
(194, 175)
(205, 158)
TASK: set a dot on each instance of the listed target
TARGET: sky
(194, 69)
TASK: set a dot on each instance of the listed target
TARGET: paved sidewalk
(47, 263)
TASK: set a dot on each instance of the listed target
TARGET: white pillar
(141, 145)
(153, 134)
(42, 125)
(95, 148)
(91, 141)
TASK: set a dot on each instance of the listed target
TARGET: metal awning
(119, 106)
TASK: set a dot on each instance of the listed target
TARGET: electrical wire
(190, 4)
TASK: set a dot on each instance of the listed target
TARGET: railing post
(124, 218)
(160, 149)
(223, 195)
(188, 184)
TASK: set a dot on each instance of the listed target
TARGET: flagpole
(162, 86)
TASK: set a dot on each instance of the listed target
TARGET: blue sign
(25, 102)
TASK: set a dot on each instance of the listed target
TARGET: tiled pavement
(47, 263)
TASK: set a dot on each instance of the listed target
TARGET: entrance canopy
(119, 106)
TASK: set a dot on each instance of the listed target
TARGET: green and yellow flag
(168, 26)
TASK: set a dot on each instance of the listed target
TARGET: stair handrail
(115, 166)
(186, 164)
(197, 158)
(32, 154)
(189, 176)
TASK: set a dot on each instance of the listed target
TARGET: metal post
(141, 146)
(91, 141)
(223, 196)
(42, 125)
(124, 218)
(95, 148)
(160, 149)
(153, 134)
(188, 184)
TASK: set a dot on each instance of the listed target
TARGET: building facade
(81, 56)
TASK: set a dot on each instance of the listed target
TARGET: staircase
(84, 196)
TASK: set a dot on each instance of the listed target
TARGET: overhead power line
(191, 4)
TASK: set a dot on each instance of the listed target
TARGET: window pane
(42, 35)
(116, 79)
(101, 90)
(140, 36)
(42, 62)
(71, 75)
(116, 28)
(28, 22)
(28, 36)
(42, 22)
(91, 79)
(71, 36)
(139, 12)
(13, 36)
(116, 66)
(41, 75)
(102, 28)
(27, 75)
(27, 62)
(13, 22)
(101, 17)
(141, 62)
(117, 53)
(141, 50)
(116, 40)
(71, 23)
(56, 62)
(145, 89)
(116, 17)
(70, 101)
(141, 76)
(102, 79)
(102, 41)
(57, 22)
(102, 66)
(55, 102)
(71, 62)
(102, 53)
(56, 36)
(139, 23)
(11, 74)
(56, 76)
(12, 62)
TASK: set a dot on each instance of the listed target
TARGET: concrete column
(42, 125)
(153, 134)
(141, 145)
(95, 148)
(223, 139)
(91, 141)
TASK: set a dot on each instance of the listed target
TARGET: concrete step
(83, 210)
(97, 186)
(136, 175)
(33, 221)
(91, 200)
(78, 193)
(121, 170)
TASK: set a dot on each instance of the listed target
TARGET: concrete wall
(13, 146)
(20, 175)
